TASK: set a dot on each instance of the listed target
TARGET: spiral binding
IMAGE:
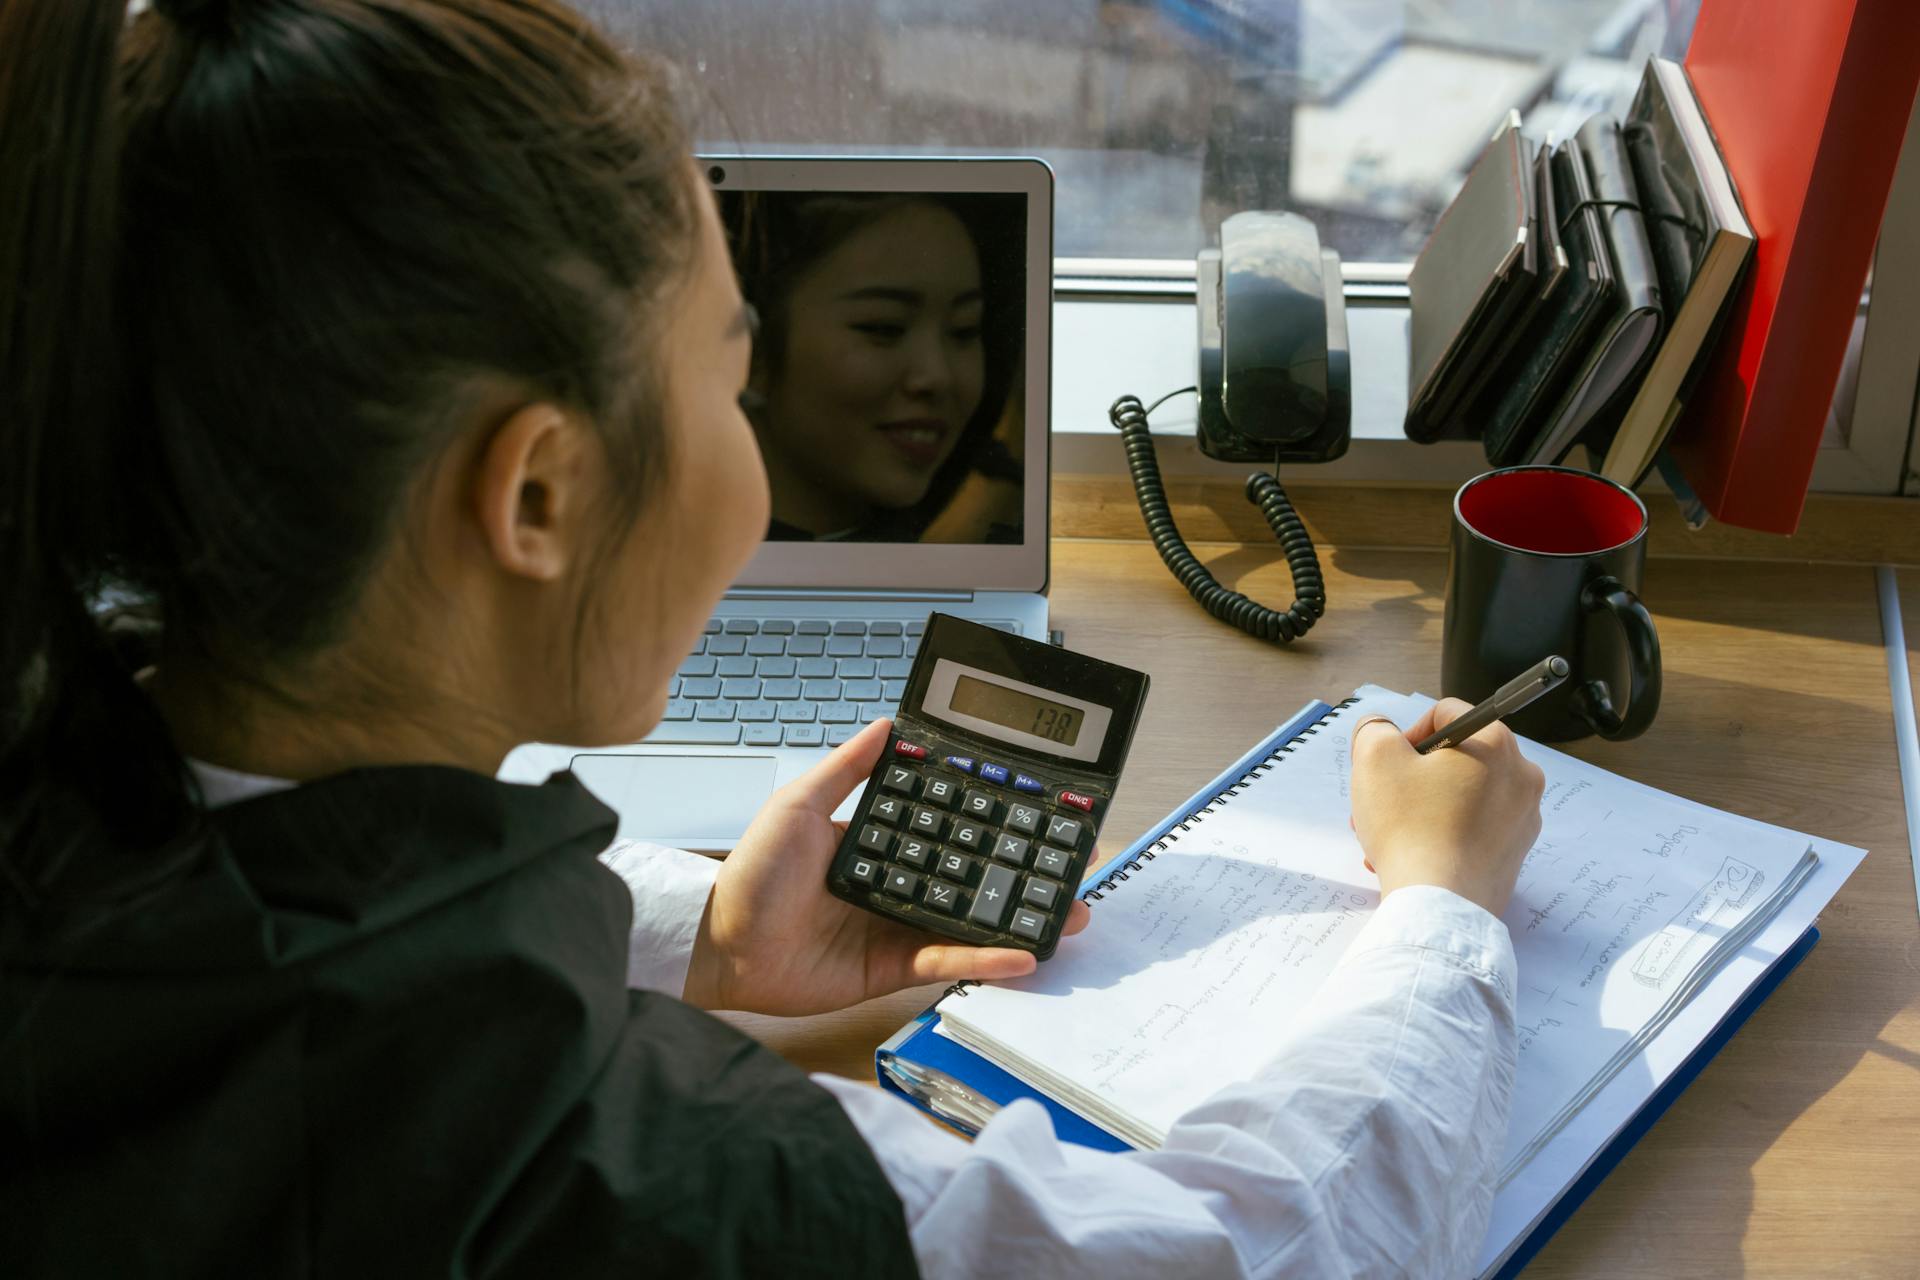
(1260, 768)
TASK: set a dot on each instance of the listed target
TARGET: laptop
(900, 394)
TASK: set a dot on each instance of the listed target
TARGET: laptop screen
(889, 378)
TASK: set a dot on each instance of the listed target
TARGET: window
(1160, 117)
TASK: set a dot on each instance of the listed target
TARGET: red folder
(1808, 100)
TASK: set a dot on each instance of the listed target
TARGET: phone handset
(1274, 386)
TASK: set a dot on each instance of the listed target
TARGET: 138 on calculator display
(1016, 710)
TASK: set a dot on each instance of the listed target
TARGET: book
(1809, 104)
(1602, 179)
(1231, 913)
(1701, 242)
(1478, 269)
(1571, 320)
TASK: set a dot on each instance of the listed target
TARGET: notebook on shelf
(1684, 917)
(1701, 243)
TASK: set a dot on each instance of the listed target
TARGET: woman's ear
(530, 491)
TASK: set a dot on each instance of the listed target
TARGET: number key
(888, 809)
(875, 839)
(927, 822)
(940, 791)
(958, 867)
(967, 835)
(863, 870)
(978, 804)
(914, 852)
(899, 779)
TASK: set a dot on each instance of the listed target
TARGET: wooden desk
(1797, 1152)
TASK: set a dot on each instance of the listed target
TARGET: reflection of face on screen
(882, 387)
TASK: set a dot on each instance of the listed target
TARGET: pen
(1507, 699)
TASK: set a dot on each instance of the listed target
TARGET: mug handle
(1594, 702)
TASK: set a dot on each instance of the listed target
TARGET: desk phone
(980, 817)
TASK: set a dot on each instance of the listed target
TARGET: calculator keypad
(970, 840)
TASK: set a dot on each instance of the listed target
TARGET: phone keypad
(970, 841)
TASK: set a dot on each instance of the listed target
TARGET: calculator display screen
(1020, 713)
(1054, 721)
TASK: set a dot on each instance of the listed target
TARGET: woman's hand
(775, 941)
(1462, 817)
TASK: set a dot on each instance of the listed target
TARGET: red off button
(911, 751)
(1077, 800)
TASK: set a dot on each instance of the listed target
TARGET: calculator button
(979, 804)
(864, 870)
(1028, 924)
(888, 809)
(993, 772)
(1084, 803)
(963, 763)
(900, 779)
(1010, 848)
(915, 853)
(876, 839)
(911, 750)
(1023, 818)
(958, 867)
(1064, 831)
(927, 822)
(942, 896)
(1021, 782)
(967, 835)
(1052, 861)
(902, 884)
(990, 903)
(1040, 893)
(940, 791)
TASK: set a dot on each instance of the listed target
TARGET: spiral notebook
(1228, 917)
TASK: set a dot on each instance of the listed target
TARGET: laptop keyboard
(790, 682)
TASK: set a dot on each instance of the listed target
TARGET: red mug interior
(1551, 512)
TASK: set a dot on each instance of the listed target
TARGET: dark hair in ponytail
(262, 259)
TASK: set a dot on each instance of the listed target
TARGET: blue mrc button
(993, 772)
(963, 763)
(1021, 782)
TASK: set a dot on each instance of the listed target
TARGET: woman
(890, 342)
(386, 352)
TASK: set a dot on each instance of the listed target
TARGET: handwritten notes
(1185, 982)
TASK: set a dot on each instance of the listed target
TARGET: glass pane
(1161, 117)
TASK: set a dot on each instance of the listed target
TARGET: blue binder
(916, 1049)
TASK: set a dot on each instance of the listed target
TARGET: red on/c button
(1077, 800)
(910, 750)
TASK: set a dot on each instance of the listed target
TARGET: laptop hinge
(841, 593)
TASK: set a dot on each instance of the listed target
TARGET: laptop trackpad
(693, 802)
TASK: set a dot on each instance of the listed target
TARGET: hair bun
(201, 17)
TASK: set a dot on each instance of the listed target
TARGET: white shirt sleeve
(1368, 1147)
(670, 888)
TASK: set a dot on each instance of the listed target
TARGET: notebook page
(1624, 898)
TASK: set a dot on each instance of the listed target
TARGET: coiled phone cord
(1129, 416)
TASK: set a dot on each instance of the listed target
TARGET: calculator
(980, 817)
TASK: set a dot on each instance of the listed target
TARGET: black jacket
(379, 1025)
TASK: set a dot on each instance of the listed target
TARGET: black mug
(1548, 560)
